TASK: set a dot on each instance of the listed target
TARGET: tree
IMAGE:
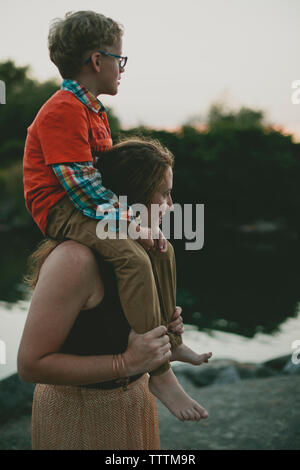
(24, 97)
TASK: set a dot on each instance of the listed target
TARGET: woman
(92, 390)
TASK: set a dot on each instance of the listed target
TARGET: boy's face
(110, 73)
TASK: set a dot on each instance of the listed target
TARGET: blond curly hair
(71, 39)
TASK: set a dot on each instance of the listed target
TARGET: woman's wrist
(119, 365)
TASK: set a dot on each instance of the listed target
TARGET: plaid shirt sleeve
(83, 184)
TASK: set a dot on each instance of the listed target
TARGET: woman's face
(162, 197)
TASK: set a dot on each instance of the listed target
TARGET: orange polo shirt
(65, 130)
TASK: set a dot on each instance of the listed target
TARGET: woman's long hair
(36, 259)
(134, 167)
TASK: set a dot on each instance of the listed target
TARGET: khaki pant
(146, 281)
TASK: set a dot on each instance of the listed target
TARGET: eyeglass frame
(110, 55)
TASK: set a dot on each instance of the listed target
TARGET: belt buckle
(124, 383)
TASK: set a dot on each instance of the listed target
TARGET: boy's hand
(160, 243)
(145, 238)
(147, 241)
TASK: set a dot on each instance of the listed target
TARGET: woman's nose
(170, 203)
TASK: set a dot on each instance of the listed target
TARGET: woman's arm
(69, 282)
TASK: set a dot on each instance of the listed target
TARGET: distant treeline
(241, 169)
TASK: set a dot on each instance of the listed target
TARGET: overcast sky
(183, 54)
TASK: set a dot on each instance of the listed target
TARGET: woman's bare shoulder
(70, 271)
(75, 251)
(71, 257)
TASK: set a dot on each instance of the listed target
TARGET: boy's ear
(96, 61)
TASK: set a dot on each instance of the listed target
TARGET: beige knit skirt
(75, 418)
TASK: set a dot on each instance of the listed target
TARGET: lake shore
(251, 406)
(260, 348)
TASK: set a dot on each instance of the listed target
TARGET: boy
(60, 179)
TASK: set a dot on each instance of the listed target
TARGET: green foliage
(24, 98)
(238, 167)
(114, 124)
(245, 118)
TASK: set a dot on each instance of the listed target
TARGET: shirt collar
(84, 95)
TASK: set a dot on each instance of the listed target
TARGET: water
(259, 348)
(242, 292)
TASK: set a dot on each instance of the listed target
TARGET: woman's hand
(147, 351)
(176, 325)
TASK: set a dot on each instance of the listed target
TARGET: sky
(182, 55)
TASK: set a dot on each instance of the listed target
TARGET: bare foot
(169, 391)
(184, 354)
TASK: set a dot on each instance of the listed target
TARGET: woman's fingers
(161, 342)
(179, 329)
(164, 354)
(176, 324)
(157, 332)
(166, 348)
(147, 351)
(177, 312)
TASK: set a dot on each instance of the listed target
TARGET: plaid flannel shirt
(83, 182)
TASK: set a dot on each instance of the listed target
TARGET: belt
(112, 384)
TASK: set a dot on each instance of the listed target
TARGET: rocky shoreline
(251, 406)
(223, 371)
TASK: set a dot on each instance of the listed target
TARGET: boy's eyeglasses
(122, 60)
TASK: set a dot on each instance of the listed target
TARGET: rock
(247, 370)
(261, 371)
(291, 368)
(278, 363)
(205, 374)
(202, 378)
(227, 375)
(16, 433)
(15, 397)
(256, 414)
(222, 371)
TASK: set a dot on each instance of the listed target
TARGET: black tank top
(102, 329)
